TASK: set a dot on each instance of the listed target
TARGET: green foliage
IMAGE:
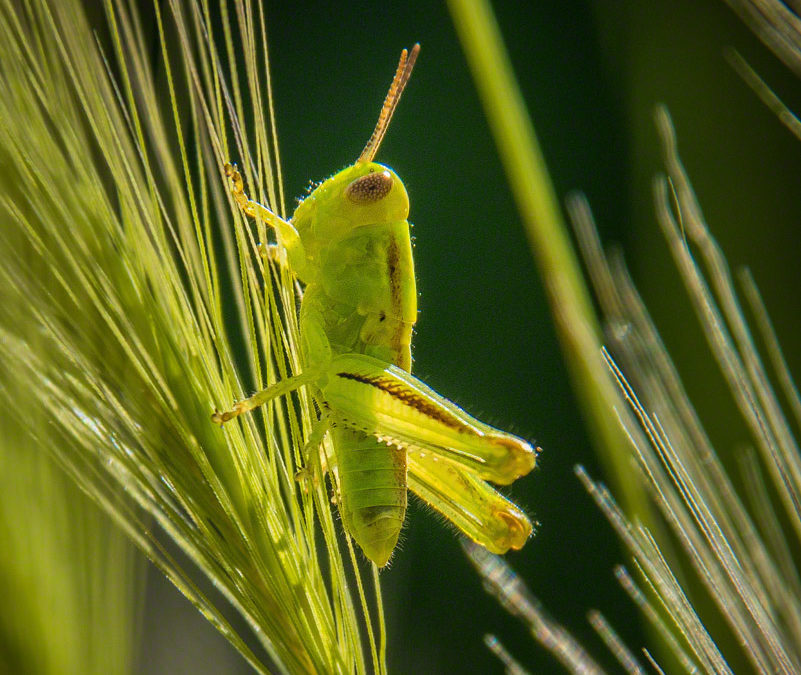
(119, 316)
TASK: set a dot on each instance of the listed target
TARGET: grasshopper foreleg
(249, 207)
(289, 239)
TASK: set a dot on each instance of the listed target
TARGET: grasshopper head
(365, 193)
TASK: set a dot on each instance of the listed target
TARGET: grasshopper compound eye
(370, 188)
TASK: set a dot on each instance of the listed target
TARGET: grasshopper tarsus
(238, 190)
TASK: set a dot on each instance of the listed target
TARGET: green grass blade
(577, 325)
(124, 256)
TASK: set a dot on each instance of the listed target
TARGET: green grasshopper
(349, 243)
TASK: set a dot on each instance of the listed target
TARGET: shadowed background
(591, 74)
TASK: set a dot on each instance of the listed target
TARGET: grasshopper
(348, 241)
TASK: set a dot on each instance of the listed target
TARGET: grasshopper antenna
(402, 75)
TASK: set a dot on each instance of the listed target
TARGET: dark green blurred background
(591, 74)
